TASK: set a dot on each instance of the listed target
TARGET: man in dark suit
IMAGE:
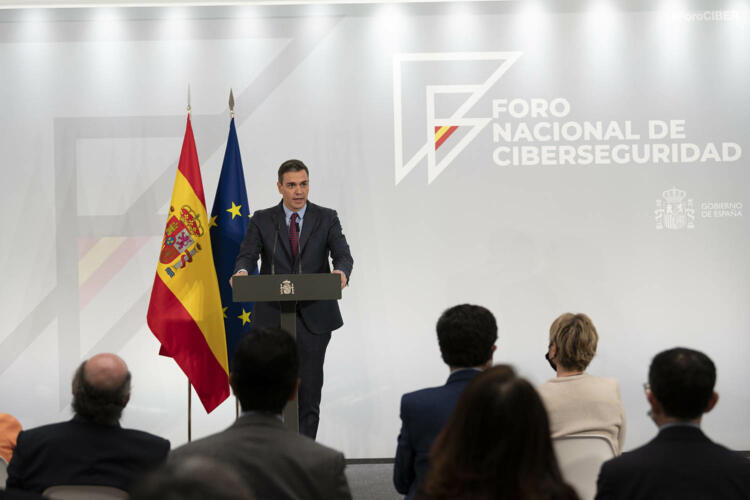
(680, 462)
(466, 335)
(276, 462)
(91, 449)
(297, 236)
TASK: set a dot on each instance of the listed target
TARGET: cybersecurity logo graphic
(438, 129)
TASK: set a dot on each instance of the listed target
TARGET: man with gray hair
(92, 448)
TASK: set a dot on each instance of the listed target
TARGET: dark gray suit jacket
(321, 235)
(277, 464)
(680, 463)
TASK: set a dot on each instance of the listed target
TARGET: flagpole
(231, 117)
(190, 393)
(190, 413)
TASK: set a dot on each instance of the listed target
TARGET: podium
(287, 290)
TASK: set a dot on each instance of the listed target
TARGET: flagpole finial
(231, 103)
(188, 99)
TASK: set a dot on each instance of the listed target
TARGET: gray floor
(371, 482)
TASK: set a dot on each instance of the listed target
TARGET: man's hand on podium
(241, 272)
(343, 277)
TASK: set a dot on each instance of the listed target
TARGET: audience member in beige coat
(579, 403)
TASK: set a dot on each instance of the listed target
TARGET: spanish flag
(185, 311)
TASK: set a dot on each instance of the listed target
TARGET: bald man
(92, 448)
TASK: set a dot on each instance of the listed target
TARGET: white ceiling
(26, 4)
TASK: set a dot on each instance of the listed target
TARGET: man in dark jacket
(297, 236)
(680, 462)
(466, 335)
(92, 448)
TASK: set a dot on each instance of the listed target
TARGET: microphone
(275, 242)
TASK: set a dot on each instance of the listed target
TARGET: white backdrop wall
(648, 238)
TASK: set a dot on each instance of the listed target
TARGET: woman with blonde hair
(577, 402)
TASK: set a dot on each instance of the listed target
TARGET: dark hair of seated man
(682, 380)
(466, 335)
(264, 370)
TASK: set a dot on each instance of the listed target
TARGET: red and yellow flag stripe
(442, 134)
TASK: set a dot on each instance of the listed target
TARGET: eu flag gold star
(245, 317)
(212, 222)
(235, 210)
(224, 310)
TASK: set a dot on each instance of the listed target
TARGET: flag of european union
(229, 218)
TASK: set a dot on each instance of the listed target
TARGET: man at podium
(297, 236)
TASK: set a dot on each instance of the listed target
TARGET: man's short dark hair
(291, 166)
(101, 406)
(466, 334)
(264, 369)
(682, 380)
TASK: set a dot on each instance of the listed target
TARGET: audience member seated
(576, 402)
(277, 463)
(466, 335)
(9, 429)
(92, 448)
(194, 478)
(14, 494)
(496, 445)
(680, 462)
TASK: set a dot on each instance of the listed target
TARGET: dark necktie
(293, 235)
